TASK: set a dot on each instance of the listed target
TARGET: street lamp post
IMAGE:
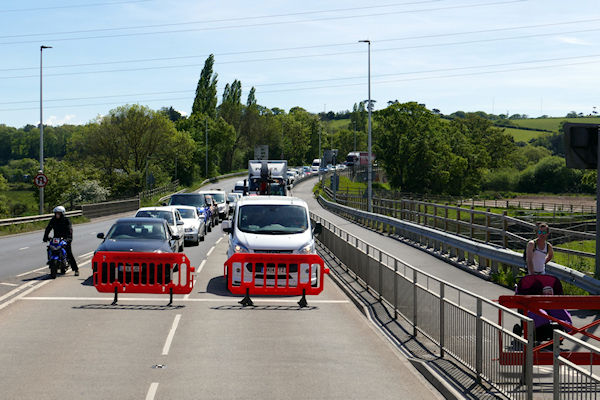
(42, 129)
(369, 107)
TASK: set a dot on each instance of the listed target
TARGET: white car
(193, 224)
(233, 198)
(220, 197)
(171, 215)
(270, 224)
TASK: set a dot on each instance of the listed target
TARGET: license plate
(127, 268)
(280, 271)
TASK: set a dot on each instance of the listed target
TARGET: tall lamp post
(42, 129)
(370, 166)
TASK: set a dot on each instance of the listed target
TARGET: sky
(534, 57)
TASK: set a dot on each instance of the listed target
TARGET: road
(62, 339)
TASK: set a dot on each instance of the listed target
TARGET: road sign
(40, 180)
(261, 152)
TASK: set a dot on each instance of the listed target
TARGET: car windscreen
(196, 200)
(219, 197)
(231, 197)
(272, 219)
(168, 215)
(129, 230)
(187, 213)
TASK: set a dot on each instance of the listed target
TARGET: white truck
(267, 177)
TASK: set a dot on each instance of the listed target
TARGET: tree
(171, 113)
(131, 142)
(205, 101)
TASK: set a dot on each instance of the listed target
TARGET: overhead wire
(375, 82)
(446, 34)
(111, 3)
(504, 2)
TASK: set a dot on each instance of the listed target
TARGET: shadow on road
(263, 308)
(129, 307)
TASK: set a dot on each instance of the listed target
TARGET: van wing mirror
(226, 226)
(318, 229)
(100, 235)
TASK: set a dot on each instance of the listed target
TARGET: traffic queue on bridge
(271, 242)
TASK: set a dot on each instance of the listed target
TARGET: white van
(316, 164)
(271, 224)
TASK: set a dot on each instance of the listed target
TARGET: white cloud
(573, 40)
(56, 121)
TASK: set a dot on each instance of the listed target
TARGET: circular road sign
(40, 180)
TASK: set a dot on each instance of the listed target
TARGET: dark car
(139, 234)
(195, 200)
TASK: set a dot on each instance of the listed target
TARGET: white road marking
(167, 345)
(32, 271)
(86, 255)
(22, 295)
(152, 391)
(187, 296)
(162, 300)
(219, 241)
(23, 286)
(8, 284)
(210, 251)
(24, 248)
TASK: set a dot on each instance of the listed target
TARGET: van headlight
(308, 248)
(238, 248)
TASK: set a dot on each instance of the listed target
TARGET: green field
(552, 124)
(338, 124)
(22, 202)
(522, 135)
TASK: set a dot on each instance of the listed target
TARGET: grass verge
(34, 226)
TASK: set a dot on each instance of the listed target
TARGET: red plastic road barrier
(138, 272)
(536, 304)
(286, 274)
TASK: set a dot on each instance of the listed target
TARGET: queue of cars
(186, 218)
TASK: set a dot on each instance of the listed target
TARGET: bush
(501, 180)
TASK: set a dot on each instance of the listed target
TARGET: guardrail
(159, 190)
(569, 380)
(36, 218)
(470, 328)
(478, 225)
(110, 207)
(462, 252)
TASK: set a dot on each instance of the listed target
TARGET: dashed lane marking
(210, 251)
(8, 284)
(24, 248)
(187, 296)
(219, 241)
(171, 335)
(152, 391)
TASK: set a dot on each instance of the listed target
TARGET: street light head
(364, 41)
(45, 47)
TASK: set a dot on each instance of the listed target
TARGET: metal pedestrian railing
(468, 327)
(457, 250)
(572, 381)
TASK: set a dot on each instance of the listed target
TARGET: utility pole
(354, 123)
(206, 142)
(369, 108)
(42, 129)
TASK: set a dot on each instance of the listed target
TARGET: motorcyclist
(62, 227)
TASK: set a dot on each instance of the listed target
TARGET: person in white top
(539, 251)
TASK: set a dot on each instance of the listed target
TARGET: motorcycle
(57, 256)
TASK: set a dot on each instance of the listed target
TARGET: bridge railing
(477, 257)
(470, 328)
(574, 381)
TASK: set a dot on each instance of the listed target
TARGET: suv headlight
(308, 248)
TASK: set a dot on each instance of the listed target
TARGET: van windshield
(272, 219)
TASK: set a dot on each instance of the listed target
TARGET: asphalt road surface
(62, 339)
